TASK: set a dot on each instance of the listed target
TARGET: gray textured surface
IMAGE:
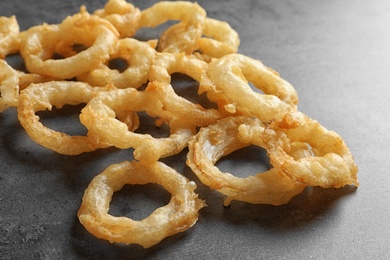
(335, 53)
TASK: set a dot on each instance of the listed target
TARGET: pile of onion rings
(69, 63)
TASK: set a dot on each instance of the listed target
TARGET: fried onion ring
(39, 43)
(99, 116)
(166, 64)
(305, 151)
(123, 15)
(9, 86)
(139, 56)
(219, 39)
(9, 36)
(227, 85)
(190, 13)
(221, 138)
(178, 215)
(42, 96)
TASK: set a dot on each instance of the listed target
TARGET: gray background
(335, 53)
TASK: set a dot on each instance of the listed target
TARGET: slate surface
(335, 53)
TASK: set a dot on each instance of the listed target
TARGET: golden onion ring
(41, 42)
(123, 15)
(9, 36)
(139, 56)
(221, 138)
(99, 116)
(219, 39)
(306, 151)
(190, 13)
(178, 215)
(166, 64)
(43, 96)
(9, 86)
(227, 85)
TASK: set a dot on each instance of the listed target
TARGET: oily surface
(335, 53)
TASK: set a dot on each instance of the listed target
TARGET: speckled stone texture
(335, 53)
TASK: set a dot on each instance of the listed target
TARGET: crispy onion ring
(227, 85)
(99, 116)
(221, 138)
(219, 39)
(25, 79)
(43, 96)
(307, 152)
(39, 43)
(178, 215)
(166, 64)
(123, 15)
(9, 36)
(139, 56)
(9, 86)
(190, 13)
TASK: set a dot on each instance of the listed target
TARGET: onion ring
(226, 84)
(220, 39)
(221, 138)
(139, 56)
(9, 86)
(9, 36)
(190, 13)
(25, 79)
(178, 215)
(99, 118)
(123, 15)
(42, 96)
(166, 64)
(39, 43)
(323, 159)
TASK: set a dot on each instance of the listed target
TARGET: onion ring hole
(186, 87)
(247, 161)
(152, 126)
(65, 119)
(119, 64)
(137, 201)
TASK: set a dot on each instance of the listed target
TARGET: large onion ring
(99, 116)
(221, 138)
(166, 64)
(39, 43)
(9, 86)
(227, 85)
(178, 215)
(123, 15)
(323, 159)
(9, 36)
(43, 96)
(190, 13)
(139, 56)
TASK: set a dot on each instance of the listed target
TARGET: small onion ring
(39, 43)
(9, 86)
(166, 64)
(220, 39)
(43, 96)
(221, 138)
(326, 160)
(227, 85)
(139, 56)
(190, 13)
(9, 36)
(99, 116)
(123, 15)
(178, 215)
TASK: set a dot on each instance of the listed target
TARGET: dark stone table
(337, 56)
